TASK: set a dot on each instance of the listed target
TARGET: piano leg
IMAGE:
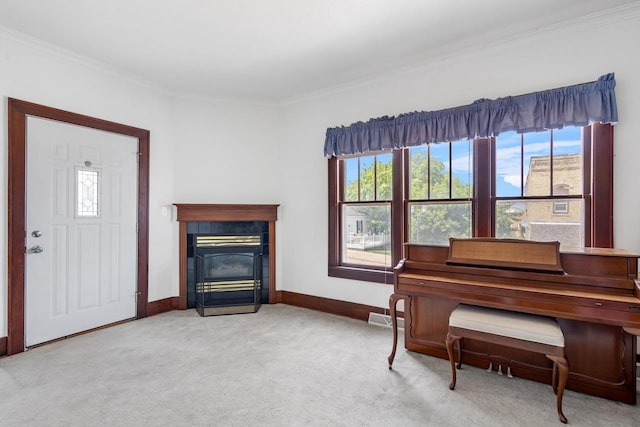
(393, 302)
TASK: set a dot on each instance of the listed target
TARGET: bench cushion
(522, 326)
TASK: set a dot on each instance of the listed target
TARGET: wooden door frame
(17, 120)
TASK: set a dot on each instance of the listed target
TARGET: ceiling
(274, 51)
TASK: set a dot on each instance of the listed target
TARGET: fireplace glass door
(228, 279)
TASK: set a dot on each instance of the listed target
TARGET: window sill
(364, 274)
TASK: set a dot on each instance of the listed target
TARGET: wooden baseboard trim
(332, 306)
(3, 346)
(163, 305)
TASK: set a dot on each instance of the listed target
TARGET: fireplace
(202, 220)
(228, 273)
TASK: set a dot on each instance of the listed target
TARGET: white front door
(81, 212)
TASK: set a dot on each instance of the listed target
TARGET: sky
(565, 141)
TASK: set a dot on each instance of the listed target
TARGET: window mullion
(450, 170)
(359, 178)
(375, 178)
(484, 186)
(551, 192)
(428, 171)
(522, 165)
(399, 182)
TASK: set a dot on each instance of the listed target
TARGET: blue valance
(577, 105)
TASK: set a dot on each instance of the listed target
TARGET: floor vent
(384, 320)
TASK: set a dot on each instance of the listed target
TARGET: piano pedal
(509, 372)
(490, 368)
(499, 369)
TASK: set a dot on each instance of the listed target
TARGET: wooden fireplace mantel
(225, 212)
(208, 212)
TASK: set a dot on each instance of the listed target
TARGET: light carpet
(282, 366)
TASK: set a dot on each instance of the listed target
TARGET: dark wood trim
(17, 112)
(3, 346)
(483, 187)
(279, 297)
(398, 236)
(213, 212)
(366, 274)
(272, 262)
(333, 214)
(224, 212)
(182, 256)
(406, 183)
(16, 226)
(586, 184)
(332, 306)
(143, 221)
(163, 306)
(602, 185)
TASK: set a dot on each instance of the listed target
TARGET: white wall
(573, 54)
(225, 153)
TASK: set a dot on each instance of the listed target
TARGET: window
(87, 181)
(560, 207)
(539, 186)
(366, 211)
(552, 185)
(440, 192)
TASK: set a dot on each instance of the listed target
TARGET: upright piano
(593, 293)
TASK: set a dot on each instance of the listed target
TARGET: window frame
(597, 194)
(561, 207)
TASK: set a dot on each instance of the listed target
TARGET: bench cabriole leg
(449, 341)
(563, 373)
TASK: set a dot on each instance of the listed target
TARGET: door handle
(36, 249)
(36, 233)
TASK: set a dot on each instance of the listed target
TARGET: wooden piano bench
(523, 331)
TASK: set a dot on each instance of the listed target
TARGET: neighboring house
(357, 223)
